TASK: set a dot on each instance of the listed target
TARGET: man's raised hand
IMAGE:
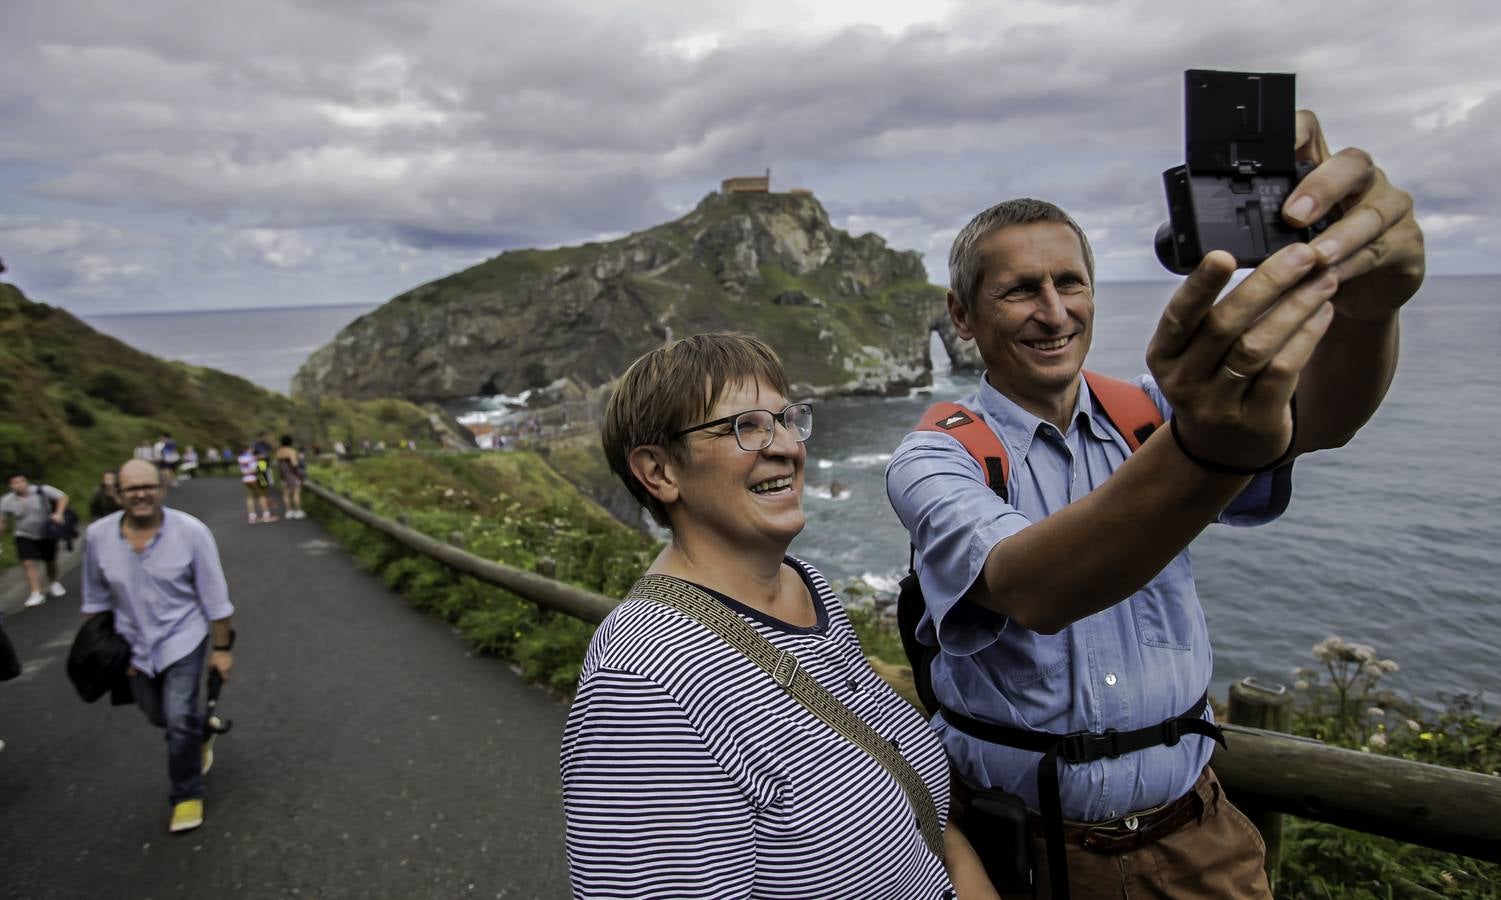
(1375, 248)
(1229, 368)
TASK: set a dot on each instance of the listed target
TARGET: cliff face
(847, 314)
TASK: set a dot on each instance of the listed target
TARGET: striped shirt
(688, 772)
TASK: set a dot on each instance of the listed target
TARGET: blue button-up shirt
(163, 597)
(1135, 664)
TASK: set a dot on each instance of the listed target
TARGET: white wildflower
(1413, 725)
(1378, 740)
(1390, 665)
(1328, 649)
(1300, 685)
(1375, 712)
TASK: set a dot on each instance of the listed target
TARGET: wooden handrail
(1432, 806)
(545, 592)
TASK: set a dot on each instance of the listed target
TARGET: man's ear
(960, 316)
(655, 470)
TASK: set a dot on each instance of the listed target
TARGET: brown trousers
(1218, 856)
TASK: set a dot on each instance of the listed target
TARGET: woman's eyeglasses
(754, 429)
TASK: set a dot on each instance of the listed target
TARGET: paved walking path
(372, 756)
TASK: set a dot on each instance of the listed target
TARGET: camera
(1240, 166)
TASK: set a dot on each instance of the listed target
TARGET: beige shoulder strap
(783, 667)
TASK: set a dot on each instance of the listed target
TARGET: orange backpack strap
(977, 438)
(1127, 406)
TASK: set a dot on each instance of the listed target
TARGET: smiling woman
(691, 769)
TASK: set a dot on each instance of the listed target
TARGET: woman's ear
(655, 470)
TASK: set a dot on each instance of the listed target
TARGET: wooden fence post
(1268, 707)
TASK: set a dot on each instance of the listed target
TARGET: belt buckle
(1115, 836)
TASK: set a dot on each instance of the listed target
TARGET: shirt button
(1110, 678)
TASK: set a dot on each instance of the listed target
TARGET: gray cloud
(452, 130)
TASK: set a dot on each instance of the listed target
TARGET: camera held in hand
(1239, 133)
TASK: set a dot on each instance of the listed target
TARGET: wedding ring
(1234, 375)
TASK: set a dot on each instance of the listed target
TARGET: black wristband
(231, 645)
(1223, 469)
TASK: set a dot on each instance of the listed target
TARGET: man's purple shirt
(163, 597)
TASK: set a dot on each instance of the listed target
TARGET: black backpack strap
(1080, 747)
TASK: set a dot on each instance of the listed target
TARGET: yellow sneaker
(187, 815)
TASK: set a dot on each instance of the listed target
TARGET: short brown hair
(967, 268)
(673, 387)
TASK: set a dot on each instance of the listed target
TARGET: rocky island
(848, 314)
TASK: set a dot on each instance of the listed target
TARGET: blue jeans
(171, 701)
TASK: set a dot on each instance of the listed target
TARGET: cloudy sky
(173, 155)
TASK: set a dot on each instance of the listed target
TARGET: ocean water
(1391, 541)
(265, 346)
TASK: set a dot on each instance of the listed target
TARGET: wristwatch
(229, 646)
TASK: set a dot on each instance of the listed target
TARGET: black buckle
(1172, 731)
(1086, 746)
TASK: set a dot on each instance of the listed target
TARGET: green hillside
(74, 402)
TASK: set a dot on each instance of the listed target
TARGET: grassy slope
(74, 402)
(512, 508)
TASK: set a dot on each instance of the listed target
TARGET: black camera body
(1239, 129)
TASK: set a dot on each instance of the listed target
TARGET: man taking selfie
(1072, 657)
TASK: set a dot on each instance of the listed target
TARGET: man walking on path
(30, 507)
(158, 570)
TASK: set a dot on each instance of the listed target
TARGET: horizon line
(283, 307)
(225, 309)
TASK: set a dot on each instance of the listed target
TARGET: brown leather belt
(1134, 832)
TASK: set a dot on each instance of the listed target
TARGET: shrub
(77, 414)
(19, 453)
(121, 391)
(1343, 702)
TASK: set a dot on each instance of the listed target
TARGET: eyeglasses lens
(799, 420)
(755, 430)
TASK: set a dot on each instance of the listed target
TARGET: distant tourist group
(261, 468)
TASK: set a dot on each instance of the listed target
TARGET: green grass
(511, 508)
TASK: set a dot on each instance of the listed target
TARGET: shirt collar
(160, 530)
(1018, 427)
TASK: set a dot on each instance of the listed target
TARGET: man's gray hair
(966, 265)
